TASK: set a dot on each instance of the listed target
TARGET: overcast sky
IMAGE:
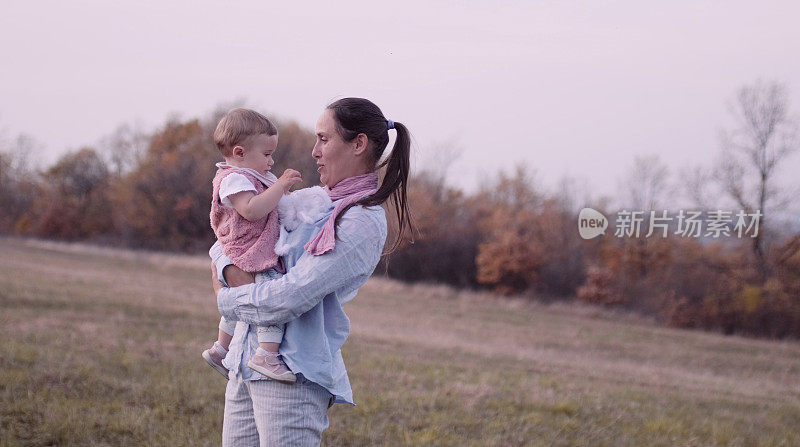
(569, 88)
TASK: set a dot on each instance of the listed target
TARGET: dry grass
(102, 347)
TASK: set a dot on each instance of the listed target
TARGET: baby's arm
(255, 206)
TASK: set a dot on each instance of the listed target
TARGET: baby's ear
(238, 151)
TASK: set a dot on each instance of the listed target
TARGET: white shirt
(233, 184)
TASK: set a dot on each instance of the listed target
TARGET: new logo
(591, 223)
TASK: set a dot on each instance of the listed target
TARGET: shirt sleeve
(232, 184)
(220, 260)
(350, 263)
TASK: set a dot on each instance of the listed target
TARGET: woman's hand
(215, 280)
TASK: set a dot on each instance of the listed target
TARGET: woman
(328, 262)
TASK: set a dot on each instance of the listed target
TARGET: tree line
(152, 191)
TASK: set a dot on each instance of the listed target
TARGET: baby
(245, 222)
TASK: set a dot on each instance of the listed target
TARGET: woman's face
(336, 159)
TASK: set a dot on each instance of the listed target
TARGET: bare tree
(437, 165)
(696, 182)
(125, 148)
(647, 183)
(17, 180)
(764, 137)
(645, 188)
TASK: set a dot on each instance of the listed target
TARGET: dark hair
(358, 115)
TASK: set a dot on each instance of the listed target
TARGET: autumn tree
(72, 199)
(632, 266)
(510, 253)
(164, 202)
(563, 269)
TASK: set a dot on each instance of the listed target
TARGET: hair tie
(390, 124)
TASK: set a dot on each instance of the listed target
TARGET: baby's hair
(239, 124)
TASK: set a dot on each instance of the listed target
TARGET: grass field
(102, 347)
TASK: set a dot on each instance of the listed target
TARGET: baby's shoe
(269, 364)
(214, 355)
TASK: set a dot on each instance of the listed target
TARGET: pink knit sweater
(250, 245)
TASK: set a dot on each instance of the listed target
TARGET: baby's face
(258, 150)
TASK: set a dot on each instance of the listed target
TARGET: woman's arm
(361, 237)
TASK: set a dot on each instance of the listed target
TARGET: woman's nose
(315, 153)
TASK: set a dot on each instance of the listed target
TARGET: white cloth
(241, 183)
(305, 205)
(233, 184)
(227, 326)
(270, 334)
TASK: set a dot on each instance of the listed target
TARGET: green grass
(102, 347)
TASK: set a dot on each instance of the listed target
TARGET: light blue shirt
(309, 298)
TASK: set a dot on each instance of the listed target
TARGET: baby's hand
(289, 178)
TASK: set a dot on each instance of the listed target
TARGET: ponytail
(358, 115)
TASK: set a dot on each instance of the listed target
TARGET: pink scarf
(349, 190)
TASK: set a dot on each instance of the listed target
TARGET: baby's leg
(217, 352)
(266, 360)
(225, 334)
(269, 337)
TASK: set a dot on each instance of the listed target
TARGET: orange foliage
(511, 250)
(72, 201)
(510, 255)
(599, 287)
(164, 202)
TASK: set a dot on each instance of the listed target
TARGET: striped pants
(269, 413)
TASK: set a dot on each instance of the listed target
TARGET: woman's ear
(361, 144)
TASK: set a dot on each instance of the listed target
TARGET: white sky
(568, 88)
